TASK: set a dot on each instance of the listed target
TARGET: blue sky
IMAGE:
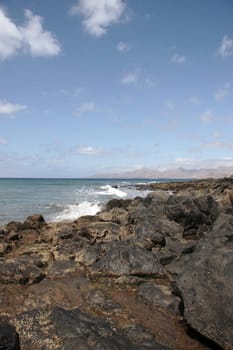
(105, 86)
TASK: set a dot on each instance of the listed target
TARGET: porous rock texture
(147, 273)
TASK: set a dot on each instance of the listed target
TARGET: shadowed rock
(9, 339)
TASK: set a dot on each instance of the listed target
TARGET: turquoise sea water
(61, 199)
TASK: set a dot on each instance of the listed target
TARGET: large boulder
(123, 259)
(206, 284)
(195, 214)
(57, 328)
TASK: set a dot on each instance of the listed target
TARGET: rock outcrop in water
(152, 273)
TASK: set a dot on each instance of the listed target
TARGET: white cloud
(223, 92)
(130, 78)
(176, 58)
(29, 38)
(226, 47)
(123, 46)
(207, 117)
(10, 37)
(38, 41)
(89, 150)
(85, 107)
(10, 109)
(99, 15)
(3, 141)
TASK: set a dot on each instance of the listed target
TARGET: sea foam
(74, 211)
(112, 191)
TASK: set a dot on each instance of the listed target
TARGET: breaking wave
(112, 191)
(74, 211)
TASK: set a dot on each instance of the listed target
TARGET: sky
(105, 86)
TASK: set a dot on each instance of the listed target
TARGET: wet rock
(9, 339)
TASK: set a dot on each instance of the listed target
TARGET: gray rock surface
(147, 273)
(206, 284)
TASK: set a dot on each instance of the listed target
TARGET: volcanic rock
(147, 273)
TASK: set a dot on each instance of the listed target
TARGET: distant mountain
(178, 173)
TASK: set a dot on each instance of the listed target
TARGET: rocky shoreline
(148, 273)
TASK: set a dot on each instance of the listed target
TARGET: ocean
(61, 199)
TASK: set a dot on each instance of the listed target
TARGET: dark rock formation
(123, 259)
(206, 284)
(9, 339)
(74, 329)
(148, 273)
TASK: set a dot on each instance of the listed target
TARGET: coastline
(143, 273)
(58, 199)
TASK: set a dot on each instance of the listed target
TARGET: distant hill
(178, 173)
